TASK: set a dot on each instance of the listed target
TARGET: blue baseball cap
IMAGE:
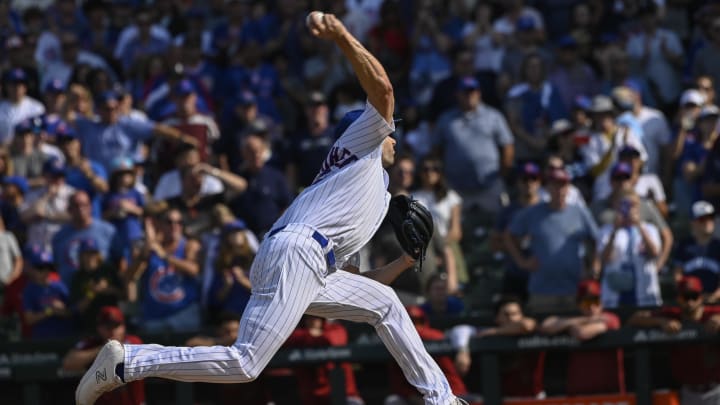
(54, 167)
(246, 97)
(529, 169)
(183, 88)
(16, 75)
(621, 170)
(629, 151)
(106, 96)
(525, 23)
(24, 127)
(17, 181)
(583, 102)
(88, 245)
(234, 226)
(468, 83)
(62, 129)
(38, 256)
(567, 41)
(55, 86)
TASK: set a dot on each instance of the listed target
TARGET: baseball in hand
(314, 19)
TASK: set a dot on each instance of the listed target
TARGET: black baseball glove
(413, 225)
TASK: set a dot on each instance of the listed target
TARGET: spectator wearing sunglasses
(607, 365)
(698, 255)
(694, 366)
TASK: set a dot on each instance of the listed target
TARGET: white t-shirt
(170, 185)
(348, 199)
(440, 210)
(629, 251)
(9, 252)
(12, 114)
(648, 185)
(41, 232)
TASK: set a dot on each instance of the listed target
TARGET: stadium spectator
(27, 158)
(557, 233)
(19, 106)
(572, 76)
(402, 392)
(114, 135)
(14, 189)
(619, 73)
(605, 213)
(607, 365)
(45, 209)
(11, 262)
(600, 153)
(81, 226)
(521, 374)
(658, 54)
(45, 298)
(109, 324)
(523, 41)
(230, 288)
(80, 104)
(693, 366)
(402, 176)
(445, 205)
(574, 196)
(707, 60)
(170, 184)
(654, 128)
(698, 255)
(162, 276)
(532, 105)
(267, 193)
(474, 135)
(313, 382)
(527, 185)
(81, 173)
(70, 55)
(309, 148)
(628, 250)
(123, 205)
(646, 184)
(705, 85)
(438, 301)
(94, 285)
(444, 94)
(225, 334)
(188, 119)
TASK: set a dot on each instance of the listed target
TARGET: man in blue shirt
(477, 146)
(267, 194)
(114, 135)
(82, 174)
(558, 233)
(82, 226)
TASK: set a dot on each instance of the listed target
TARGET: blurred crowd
(147, 146)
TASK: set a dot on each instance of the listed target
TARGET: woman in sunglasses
(446, 206)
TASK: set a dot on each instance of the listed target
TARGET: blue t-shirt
(454, 306)
(75, 177)
(128, 228)
(37, 298)
(66, 242)
(503, 220)
(557, 239)
(264, 200)
(166, 291)
(103, 142)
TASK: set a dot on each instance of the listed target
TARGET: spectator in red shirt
(521, 374)
(607, 365)
(314, 381)
(696, 367)
(110, 325)
(403, 392)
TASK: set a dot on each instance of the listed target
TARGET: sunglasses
(690, 296)
(527, 178)
(171, 221)
(587, 302)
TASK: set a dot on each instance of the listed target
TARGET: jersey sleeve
(366, 133)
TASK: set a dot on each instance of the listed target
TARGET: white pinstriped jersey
(348, 199)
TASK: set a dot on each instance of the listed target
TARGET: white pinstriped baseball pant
(286, 284)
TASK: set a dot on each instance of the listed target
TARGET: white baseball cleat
(100, 377)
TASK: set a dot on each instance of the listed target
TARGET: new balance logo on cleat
(100, 376)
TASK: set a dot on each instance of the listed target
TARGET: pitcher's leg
(356, 298)
(279, 299)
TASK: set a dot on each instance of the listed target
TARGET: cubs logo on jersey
(165, 286)
(338, 158)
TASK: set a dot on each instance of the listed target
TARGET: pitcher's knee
(243, 368)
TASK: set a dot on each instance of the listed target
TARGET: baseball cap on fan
(702, 209)
(111, 316)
